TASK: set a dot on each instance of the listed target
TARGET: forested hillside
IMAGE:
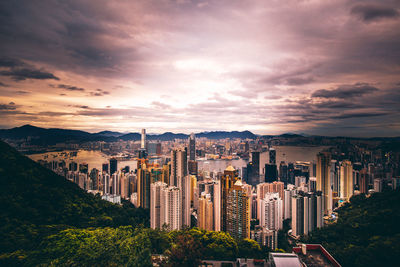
(367, 232)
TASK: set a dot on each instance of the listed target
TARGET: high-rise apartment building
(217, 205)
(364, 181)
(205, 216)
(255, 170)
(228, 179)
(323, 180)
(170, 208)
(264, 188)
(113, 165)
(289, 193)
(179, 166)
(307, 213)
(185, 190)
(238, 212)
(155, 204)
(143, 186)
(297, 215)
(271, 208)
(346, 186)
(192, 147)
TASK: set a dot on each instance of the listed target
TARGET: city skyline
(315, 67)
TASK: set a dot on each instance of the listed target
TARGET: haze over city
(271, 67)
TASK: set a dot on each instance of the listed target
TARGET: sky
(323, 67)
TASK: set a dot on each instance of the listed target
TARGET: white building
(170, 208)
(271, 211)
(155, 204)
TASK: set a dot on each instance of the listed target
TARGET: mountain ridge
(56, 135)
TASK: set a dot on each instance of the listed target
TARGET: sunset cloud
(269, 67)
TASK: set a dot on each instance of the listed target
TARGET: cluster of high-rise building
(248, 202)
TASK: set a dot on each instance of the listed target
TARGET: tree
(249, 248)
(185, 252)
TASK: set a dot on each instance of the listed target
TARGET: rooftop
(315, 255)
(230, 168)
(284, 260)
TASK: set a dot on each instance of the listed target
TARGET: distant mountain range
(42, 136)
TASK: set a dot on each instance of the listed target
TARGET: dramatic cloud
(24, 73)
(318, 67)
(99, 92)
(9, 106)
(346, 91)
(10, 62)
(70, 87)
(372, 12)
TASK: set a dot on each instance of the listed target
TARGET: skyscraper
(192, 147)
(255, 170)
(228, 179)
(238, 212)
(283, 172)
(184, 187)
(104, 167)
(142, 150)
(271, 211)
(297, 215)
(272, 156)
(192, 167)
(170, 208)
(217, 205)
(271, 173)
(113, 165)
(289, 193)
(205, 212)
(323, 180)
(155, 204)
(364, 184)
(346, 180)
(178, 166)
(143, 186)
(143, 139)
(307, 213)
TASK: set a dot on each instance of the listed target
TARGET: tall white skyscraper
(271, 211)
(307, 213)
(155, 204)
(346, 180)
(170, 208)
(184, 186)
(217, 206)
(143, 139)
(289, 193)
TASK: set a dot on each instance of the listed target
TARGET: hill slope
(35, 202)
(367, 232)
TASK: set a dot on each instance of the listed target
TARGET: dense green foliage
(187, 247)
(95, 247)
(367, 232)
(36, 203)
